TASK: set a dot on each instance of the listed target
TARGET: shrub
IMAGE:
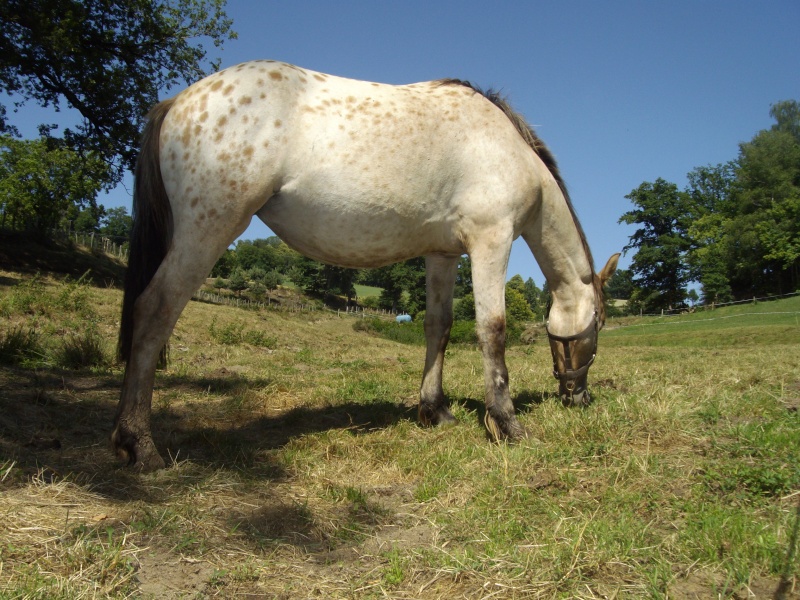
(272, 280)
(407, 333)
(229, 334)
(19, 345)
(463, 332)
(79, 350)
(232, 334)
(258, 338)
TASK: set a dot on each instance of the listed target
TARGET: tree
(711, 256)
(463, 277)
(107, 59)
(225, 265)
(324, 280)
(517, 308)
(44, 184)
(237, 282)
(534, 297)
(620, 286)
(769, 202)
(403, 285)
(660, 266)
(116, 224)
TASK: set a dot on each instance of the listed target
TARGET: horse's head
(574, 354)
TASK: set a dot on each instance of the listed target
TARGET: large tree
(107, 59)
(44, 184)
(769, 197)
(660, 266)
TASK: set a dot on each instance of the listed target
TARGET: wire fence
(671, 312)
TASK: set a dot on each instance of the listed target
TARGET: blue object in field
(403, 318)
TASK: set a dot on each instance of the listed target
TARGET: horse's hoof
(139, 452)
(508, 430)
(435, 417)
(148, 463)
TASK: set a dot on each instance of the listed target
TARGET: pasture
(296, 467)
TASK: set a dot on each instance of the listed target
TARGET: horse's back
(404, 169)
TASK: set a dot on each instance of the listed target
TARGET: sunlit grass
(297, 467)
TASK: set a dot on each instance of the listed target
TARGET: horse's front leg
(489, 266)
(440, 277)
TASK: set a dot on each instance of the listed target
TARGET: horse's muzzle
(572, 357)
(574, 393)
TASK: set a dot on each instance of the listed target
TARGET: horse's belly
(353, 233)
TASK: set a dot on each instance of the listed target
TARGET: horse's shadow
(54, 423)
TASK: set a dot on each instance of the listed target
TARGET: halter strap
(569, 373)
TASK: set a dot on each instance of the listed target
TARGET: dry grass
(298, 470)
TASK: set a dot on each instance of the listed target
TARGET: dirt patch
(163, 575)
(705, 583)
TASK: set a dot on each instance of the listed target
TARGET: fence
(670, 312)
(95, 241)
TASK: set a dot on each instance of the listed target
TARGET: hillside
(28, 254)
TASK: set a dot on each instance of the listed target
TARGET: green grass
(367, 291)
(297, 467)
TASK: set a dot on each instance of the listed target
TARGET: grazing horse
(355, 174)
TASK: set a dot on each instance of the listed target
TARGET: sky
(623, 92)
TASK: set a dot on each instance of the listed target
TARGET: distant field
(297, 468)
(367, 291)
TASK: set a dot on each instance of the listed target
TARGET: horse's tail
(152, 226)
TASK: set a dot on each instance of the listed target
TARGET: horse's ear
(609, 269)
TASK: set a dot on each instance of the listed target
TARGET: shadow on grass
(524, 402)
(57, 424)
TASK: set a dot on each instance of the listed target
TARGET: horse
(354, 174)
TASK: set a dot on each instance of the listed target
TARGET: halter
(570, 375)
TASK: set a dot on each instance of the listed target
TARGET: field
(296, 467)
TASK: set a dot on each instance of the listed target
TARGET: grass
(297, 468)
(367, 291)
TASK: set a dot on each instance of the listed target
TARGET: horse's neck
(563, 258)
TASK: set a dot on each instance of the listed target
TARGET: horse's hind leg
(440, 277)
(489, 264)
(156, 311)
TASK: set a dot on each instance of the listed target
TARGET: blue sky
(622, 92)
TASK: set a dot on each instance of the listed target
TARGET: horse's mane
(538, 146)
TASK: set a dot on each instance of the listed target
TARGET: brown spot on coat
(276, 75)
(216, 85)
(245, 100)
(278, 123)
(228, 89)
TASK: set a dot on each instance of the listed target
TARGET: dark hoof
(506, 430)
(435, 417)
(139, 452)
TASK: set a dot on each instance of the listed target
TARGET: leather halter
(570, 375)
